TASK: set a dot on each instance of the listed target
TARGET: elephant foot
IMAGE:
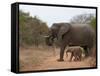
(60, 60)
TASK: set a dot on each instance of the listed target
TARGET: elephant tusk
(45, 36)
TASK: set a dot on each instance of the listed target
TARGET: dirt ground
(39, 59)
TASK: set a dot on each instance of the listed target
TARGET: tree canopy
(85, 19)
(31, 29)
(93, 22)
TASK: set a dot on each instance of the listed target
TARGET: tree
(31, 29)
(93, 23)
(83, 18)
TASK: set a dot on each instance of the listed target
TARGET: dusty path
(48, 60)
(52, 63)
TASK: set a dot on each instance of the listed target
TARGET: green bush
(31, 29)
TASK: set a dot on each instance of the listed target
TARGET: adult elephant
(71, 35)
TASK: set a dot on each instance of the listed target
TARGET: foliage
(31, 29)
(82, 18)
(93, 22)
(85, 19)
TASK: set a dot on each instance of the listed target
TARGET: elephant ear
(65, 27)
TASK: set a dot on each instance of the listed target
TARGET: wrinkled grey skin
(76, 52)
(71, 35)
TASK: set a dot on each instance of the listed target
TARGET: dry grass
(32, 56)
(44, 58)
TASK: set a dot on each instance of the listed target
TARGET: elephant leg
(80, 57)
(86, 51)
(71, 57)
(76, 58)
(61, 53)
(66, 55)
(90, 51)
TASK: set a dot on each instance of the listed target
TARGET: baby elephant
(76, 52)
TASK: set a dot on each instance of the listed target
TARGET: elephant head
(49, 40)
(57, 31)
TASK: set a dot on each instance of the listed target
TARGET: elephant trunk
(49, 40)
